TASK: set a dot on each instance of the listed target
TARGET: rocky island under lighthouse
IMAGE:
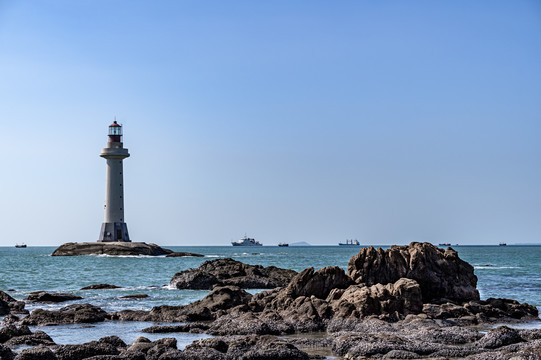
(114, 238)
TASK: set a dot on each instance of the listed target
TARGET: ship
(503, 244)
(352, 242)
(246, 241)
(283, 244)
(445, 244)
(23, 245)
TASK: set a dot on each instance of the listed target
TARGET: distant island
(300, 243)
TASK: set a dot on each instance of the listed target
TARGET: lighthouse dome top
(115, 124)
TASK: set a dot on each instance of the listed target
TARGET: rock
(36, 353)
(219, 299)
(110, 248)
(393, 301)
(183, 254)
(499, 337)
(138, 296)
(11, 331)
(10, 305)
(264, 347)
(232, 272)
(86, 350)
(6, 353)
(319, 283)
(4, 308)
(72, 314)
(440, 273)
(100, 286)
(42, 296)
(36, 338)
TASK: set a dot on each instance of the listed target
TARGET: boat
(445, 244)
(23, 245)
(503, 244)
(352, 242)
(283, 244)
(246, 241)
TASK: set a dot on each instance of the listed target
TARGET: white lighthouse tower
(114, 227)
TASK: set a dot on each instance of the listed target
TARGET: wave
(127, 256)
(496, 267)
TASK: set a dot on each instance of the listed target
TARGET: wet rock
(42, 296)
(138, 296)
(36, 353)
(440, 273)
(110, 248)
(183, 254)
(499, 337)
(100, 286)
(232, 272)
(6, 353)
(72, 314)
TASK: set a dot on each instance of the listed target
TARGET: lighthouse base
(113, 232)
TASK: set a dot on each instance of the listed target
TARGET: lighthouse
(114, 228)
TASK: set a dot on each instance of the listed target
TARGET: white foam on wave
(496, 267)
(127, 256)
(214, 256)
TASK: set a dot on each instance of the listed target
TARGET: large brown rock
(231, 272)
(318, 283)
(440, 273)
(391, 301)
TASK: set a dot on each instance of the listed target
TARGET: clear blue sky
(385, 121)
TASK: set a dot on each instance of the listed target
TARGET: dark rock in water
(6, 353)
(42, 296)
(4, 308)
(138, 296)
(72, 314)
(440, 273)
(220, 299)
(183, 254)
(232, 272)
(11, 331)
(100, 286)
(110, 248)
(10, 305)
(36, 338)
(37, 353)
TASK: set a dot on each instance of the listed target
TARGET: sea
(503, 271)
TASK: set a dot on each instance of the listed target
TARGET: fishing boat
(22, 245)
(503, 244)
(246, 241)
(283, 244)
(352, 242)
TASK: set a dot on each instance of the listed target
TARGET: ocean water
(503, 271)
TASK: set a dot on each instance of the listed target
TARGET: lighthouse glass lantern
(115, 132)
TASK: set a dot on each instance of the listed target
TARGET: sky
(384, 121)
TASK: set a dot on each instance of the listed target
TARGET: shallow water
(503, 271)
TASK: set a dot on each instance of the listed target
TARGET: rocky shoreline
(110, 248)
(407, 302)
